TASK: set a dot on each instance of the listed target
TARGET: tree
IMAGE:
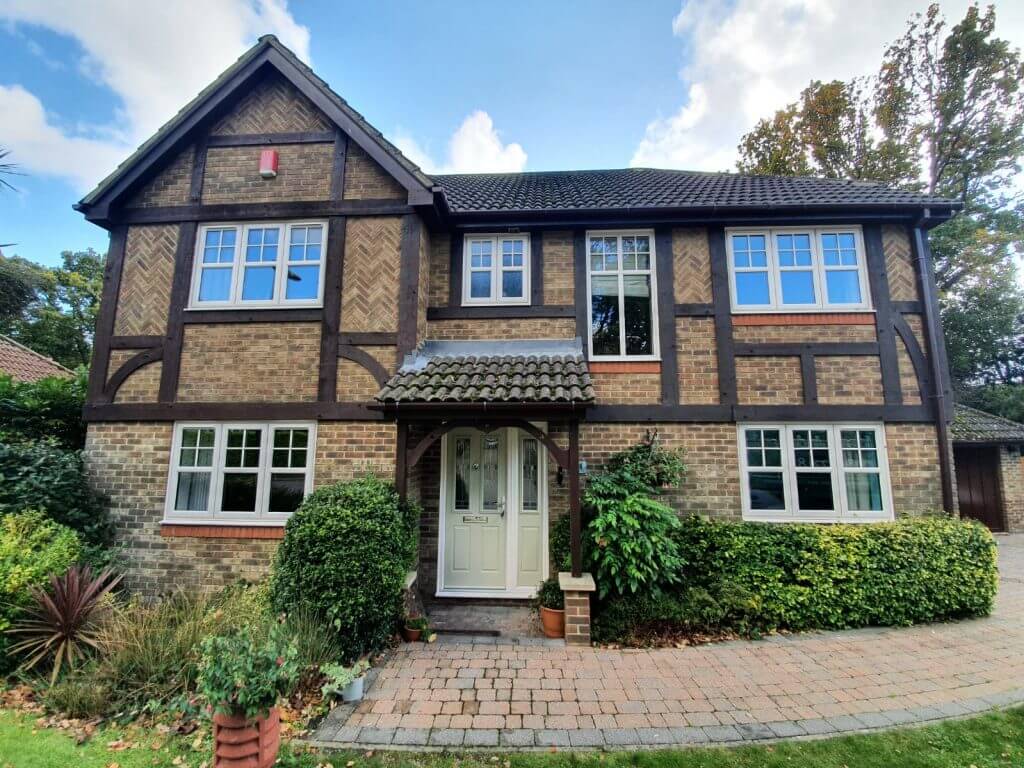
(19, 281)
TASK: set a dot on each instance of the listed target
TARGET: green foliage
(340, 676)
(645, 467)
(417, 622)
(42, 476)
(315, 640)
(1006, 400)
(245, 675)
(558, 545)
(19, 281)
(78, 694)
(550, 595)
(345, 554)
(49, 409)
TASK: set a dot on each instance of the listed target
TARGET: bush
(840, 576)
(245, 675)
(344, 556)
(32, 548)
(79, 694)
(45, 477)
(46, 410)
(550, 595)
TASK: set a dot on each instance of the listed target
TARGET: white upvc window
(797, 269)
(496, 269)
(239, 472)
(622, 296)
(814, 473)
(259, 265)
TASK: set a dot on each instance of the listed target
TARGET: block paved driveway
(495, 692)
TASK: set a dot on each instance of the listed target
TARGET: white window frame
(622, 273)
(238, 265)
(818, 267)
(838, 472)
(213, 514)
(496, 270)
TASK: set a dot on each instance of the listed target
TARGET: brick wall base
(577, 591)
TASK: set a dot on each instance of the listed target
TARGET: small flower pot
(552, 620)
(411, 635)
(243, 743)
(354, 690)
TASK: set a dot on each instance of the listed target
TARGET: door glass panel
(530, 474)
(489, 471)
(462, 473)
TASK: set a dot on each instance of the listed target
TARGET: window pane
(766, 490)
(753, 437)
(258, 283)
(752, 288)
(755, 458)
(814, 490)
(797, 287)
(239, 492)
(286, 492)
(462, 473)
(480, 285)
(302, 283)
(215, 285)
(639, 336)
(604, 315)
(864, 492)
(512, 285)
(643, 252)
(530, 474)
(193, 492)
(489, 471)
(843, 286)
(512, 253)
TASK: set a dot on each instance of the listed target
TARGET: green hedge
(803, 577)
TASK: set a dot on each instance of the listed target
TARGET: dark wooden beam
(409, 284)
(369, 339)
(454, 272)
(231, 411)
(401, 459)
(665, 318)
(180, 285)
(706, 414)
(132, 364)
(808, 378)
(112, 271)
(243, 211)
(496, 313)
(234, 316)
(908, 307)
(338, 166)
(575, 503)
(327, 378)
(881, 299)
(795, 349)
(917, 359)
(579, 287)
(536, 268)
(268, 139)
(694, 310)
(365, 359)
(195, 190)
(723, 316)
(135, 342)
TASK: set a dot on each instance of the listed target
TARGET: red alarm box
(268, 163)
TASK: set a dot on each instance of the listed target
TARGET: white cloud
(747, 59)
(475, 147)
(155, 56)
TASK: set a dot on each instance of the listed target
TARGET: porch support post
(575, 523)
(401, 460)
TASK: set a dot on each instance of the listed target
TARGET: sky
(459, 86)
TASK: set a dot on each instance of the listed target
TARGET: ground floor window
(239, 472)
(822, 472)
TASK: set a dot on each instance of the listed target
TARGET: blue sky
(465, 86)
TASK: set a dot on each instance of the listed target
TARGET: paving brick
(655, 735)
(552, 738)
(755, 731)
(481, 737)
(723, 733)
(447, 737)
(411, 737)
(377, 735)
(816, 726)
(518, 737)
(621, 737)
(786, 729)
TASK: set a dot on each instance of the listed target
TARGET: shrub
(338, 677)
(646, 467)
(344, 556)
(838, 576)
(559, 545)
(32, 548)
(48, 409)
(79, 694)
(245, 675)
(315, 640)
(550, 594)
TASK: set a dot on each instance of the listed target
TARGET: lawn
(988, 741)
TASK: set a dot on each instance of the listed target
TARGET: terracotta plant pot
(411, 635)
(242, 743)
(553, 622)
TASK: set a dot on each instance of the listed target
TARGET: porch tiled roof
(23, 364)
(492, 372)
(973, 426)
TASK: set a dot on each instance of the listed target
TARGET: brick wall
(769, 381)
(558, 268)
(170, 186)
(908, 376)
(369, 298)
(233, 174)
(691, 260)
(849, 380)
(795, 334)
(356, 383)
(914, 467)
(142, 386)
(523, 328)
(633, 388)
(347, 450)
(696, 360)
(145, 293)
(440, 264)
(1011, 486)
(273, 106)
(257, 362)
(899, 263)
(366, 180)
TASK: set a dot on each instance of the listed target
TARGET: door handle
(501, 506)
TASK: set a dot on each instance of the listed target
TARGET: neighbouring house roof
(23, 364)
(630, 188)
(521, 371)
(973, 426)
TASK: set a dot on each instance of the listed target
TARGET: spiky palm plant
(7, 169)
(62, 623)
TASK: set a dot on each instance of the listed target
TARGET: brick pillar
(577, 591)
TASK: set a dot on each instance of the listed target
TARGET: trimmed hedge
(803, 576)
(344, 557)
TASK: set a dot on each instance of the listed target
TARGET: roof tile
(973, 426)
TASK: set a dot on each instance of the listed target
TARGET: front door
(494, 514)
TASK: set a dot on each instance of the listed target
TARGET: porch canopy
(489, 385)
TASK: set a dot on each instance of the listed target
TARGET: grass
(994, 740)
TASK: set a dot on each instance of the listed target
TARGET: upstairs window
(261, 264)
(796, 269)
(620, 278)
(496, 270)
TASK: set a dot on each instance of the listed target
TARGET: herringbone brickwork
(691, 261)
(273, 106)
(369, 298)
(898, 264)
(145, 296)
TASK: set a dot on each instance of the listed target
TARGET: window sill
(624, 366)
(749, 518)
(859, 317)
(218, 531)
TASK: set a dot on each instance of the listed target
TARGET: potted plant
(242, 677)
(346, 681)
(552, 608)
(414, 628)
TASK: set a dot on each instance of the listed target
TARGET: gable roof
(267, 52)
(632, 188)
(24, 364)
(973, 426)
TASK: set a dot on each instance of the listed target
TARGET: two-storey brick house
(288, 302)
